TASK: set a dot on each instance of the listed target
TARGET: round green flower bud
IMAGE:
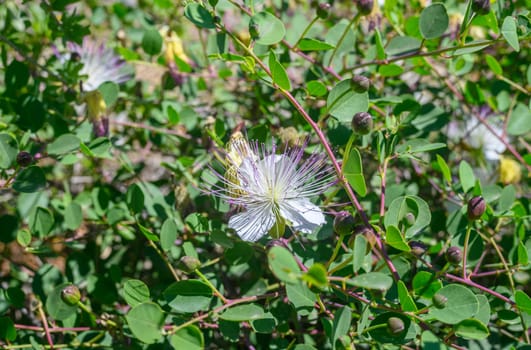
(343, 223)
(410, 219)
(362, 123)
(454, 255)
(476, 207)
(395, 326)
(481, 7)
(323, 10)
(360, 83)
(364, 6)
(189, 263)
(417, 248)
(439, 301)
(71, 295)
(24, 159)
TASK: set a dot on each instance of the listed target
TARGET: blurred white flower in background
(477, 136)
(272, 190)
(100, 64)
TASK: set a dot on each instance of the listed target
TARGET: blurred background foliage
(109, 238)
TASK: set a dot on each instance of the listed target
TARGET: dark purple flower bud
(24, 159)
(71, 295)
(365, 6)
(100, 127)
(476, 207)
(360, 83)
(362, 123)
(454, 255)
(481, 7)
(343, 223)
(395, 326)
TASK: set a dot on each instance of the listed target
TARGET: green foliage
(115, 118)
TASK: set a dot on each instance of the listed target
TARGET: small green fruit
(362, 123)
(71, 295)
(395, 326)
(454, 255)
(343, 223)
(439, 301)
(360, 83)
(189, 263)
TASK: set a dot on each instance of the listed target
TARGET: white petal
(253, 223)
(302, 215)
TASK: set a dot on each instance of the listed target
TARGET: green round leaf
(408, 213)
(309, 44)
(316, 276)
(110, 90)
(433, 21)
(239, 253)
(135, 292)
(400, 45)
(302, 298)
(245, 312)
(372, 281)
(508, 31)
(199, 15)
(30, 180)
(188, 296)
(425, 284)
(56, 307)
(523, 301)
(519, 120)
(24, 238)
(64, 144)
(189, 338)
(270, 29)
(168, 234)
(16, 75)
(343, 102)
(283, 265)
(42, 221)
(7, 329)
(395, 239)
(32, 114)
(73, 216)
(390, 70)
(316, 88)
(278, 73)
(145, 321)
(461, 304)
(8, 150)
(135, 199)
(471, 329)
(342, 321)
(152, 42)
(267, 324)
(494, 65)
